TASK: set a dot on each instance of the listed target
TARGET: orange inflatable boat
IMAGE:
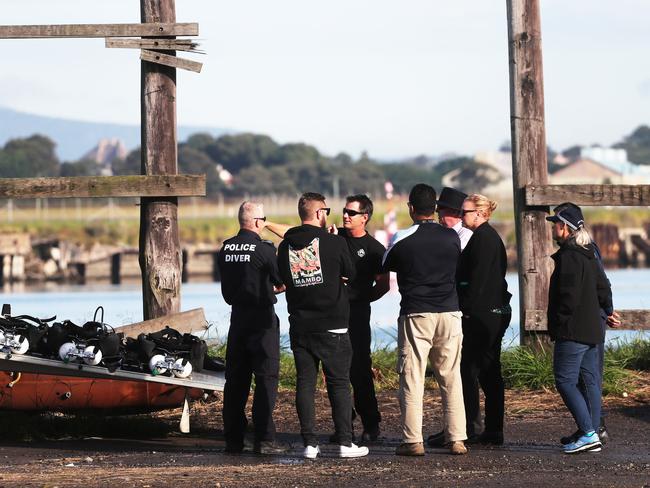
(41, 392)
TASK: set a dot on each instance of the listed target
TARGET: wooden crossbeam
(154, 29)
(635, 319)
(103, 186)
(595, 195)
(166, 44)
(191, 321)
(535, 320)
(173, 61)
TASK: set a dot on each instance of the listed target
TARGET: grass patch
(523, 367)
(631, 354)
(531, 368)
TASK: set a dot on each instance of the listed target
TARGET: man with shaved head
(249, 282)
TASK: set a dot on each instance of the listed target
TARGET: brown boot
(458, 448)
(410, 449)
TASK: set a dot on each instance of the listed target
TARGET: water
(123, 305)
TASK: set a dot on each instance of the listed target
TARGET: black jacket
(312, 263)
(577, 291)
(249, 269)
(481, 272)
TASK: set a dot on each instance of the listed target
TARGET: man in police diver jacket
(249, 282)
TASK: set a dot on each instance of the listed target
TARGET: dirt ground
(146, 451)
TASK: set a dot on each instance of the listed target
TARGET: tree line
(261, 166)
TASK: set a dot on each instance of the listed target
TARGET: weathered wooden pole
(529, 164)
(160, 251)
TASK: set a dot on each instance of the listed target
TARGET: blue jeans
(575, 363)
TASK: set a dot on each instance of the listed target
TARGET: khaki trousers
(439, 338)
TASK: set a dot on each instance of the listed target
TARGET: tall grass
(523, 367)
(632, 354)
(526, 367)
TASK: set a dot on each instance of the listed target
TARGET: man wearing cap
(578, 289)
(450, 213)
(425, 256)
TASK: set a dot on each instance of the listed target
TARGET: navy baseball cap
(571, 215)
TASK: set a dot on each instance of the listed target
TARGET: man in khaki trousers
(424, 257)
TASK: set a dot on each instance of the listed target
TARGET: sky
(393, 78)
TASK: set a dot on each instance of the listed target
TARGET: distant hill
(75, 138)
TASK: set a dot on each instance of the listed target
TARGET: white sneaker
(352, 451)
(310, 452)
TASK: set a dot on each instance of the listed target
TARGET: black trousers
(251, 351)
(481, 364)
(334, 351)
(361, 377)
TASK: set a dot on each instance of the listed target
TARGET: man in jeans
(429, 326)
(314, 266)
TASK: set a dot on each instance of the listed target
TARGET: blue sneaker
(588, 442)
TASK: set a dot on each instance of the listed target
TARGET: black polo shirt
(424, 257)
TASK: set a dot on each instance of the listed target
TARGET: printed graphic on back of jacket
(305, 264)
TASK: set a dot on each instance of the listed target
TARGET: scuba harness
(97, 344)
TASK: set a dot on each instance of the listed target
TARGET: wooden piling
(160, 251)
(116, 261)
(528, 162)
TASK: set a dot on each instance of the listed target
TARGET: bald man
(249, 282)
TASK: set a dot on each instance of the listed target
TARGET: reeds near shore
(524, 367)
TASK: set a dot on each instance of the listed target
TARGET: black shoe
(603, 435)
(437, 439)
(234, 448)
(570, 439)
(473, 439)
(269, 448)
(370, 435)
(491, 438)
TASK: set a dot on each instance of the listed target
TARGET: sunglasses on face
(352, 213)
(260, 218)
(465, 212)
(326, 210)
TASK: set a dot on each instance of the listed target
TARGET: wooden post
(116, 268)
(529, 164)
(160, 251)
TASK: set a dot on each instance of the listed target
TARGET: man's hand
(614, 320)
(332, 229)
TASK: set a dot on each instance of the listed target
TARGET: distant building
(616, 160)
(224, 175)
(107, 151)
(585, 171)
(501, 160)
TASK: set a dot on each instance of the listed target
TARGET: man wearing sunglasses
(249, 281)
(450, 213)
(368, 285)
(315, 265)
